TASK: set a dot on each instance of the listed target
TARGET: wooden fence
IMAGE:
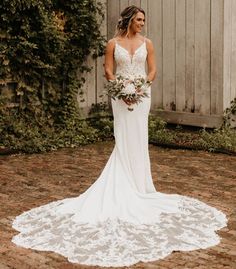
(195, 50)
(195, 45)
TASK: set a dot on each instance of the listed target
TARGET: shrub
(158, 132)
(44, 45)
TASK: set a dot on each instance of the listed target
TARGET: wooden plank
(201, 46)
(169, 101)
(90, 87)
(123, 5)
(193, 119)
(190, 57)
(144, 6)
(112, 17)
(100, 79)
(227, 52)
(134, 2)
(202, 56)
(180, 54)
(233, 57)
(154, 29)
(217, 56)
(91, 84)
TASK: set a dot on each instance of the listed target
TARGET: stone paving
(27, 181)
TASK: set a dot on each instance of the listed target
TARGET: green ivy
(230, 115)
(100, 117)
(43, 47)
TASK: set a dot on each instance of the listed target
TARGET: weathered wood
(91, 83)
(144, 6)
(190, 57)
(233, 52)
(194, 119)
(89, 96)
(154, 23)
(202, 56)
(113, 8)
(134, 2)
(99, 74)
(195, 53)
(123, 5)
(180, 54)
(216, 56)
(169, 64)
(227, 52)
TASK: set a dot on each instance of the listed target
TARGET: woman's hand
(140, 91)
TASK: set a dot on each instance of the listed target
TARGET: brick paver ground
(27, 181)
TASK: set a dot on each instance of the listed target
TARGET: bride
(122, 219)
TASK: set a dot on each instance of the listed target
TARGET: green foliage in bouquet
(43, 47)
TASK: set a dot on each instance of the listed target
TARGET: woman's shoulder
(112, 41)
(110, 44)
(149, 44)
(147, 40)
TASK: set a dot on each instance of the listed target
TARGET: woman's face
(138, 23)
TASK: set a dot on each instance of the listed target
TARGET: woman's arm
(151, 61)
(109, 60)
(109, 64)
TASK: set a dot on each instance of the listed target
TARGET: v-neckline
(131, 55)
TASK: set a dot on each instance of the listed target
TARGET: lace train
(117, 242)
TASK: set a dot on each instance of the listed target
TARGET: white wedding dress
(121, 219)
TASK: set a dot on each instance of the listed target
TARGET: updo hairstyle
(126, 18)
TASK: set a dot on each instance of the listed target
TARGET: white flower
(129, 89)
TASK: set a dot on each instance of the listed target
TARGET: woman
(121, 219)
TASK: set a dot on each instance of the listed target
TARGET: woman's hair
(126, 18)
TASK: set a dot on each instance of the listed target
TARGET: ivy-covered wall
(43, 47)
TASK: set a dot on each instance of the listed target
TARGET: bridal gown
(121, 219)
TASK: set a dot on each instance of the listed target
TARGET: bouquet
(129, 89)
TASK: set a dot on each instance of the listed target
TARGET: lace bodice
(130, 65)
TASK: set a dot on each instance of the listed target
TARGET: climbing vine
(230, 115)
(43, 50)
